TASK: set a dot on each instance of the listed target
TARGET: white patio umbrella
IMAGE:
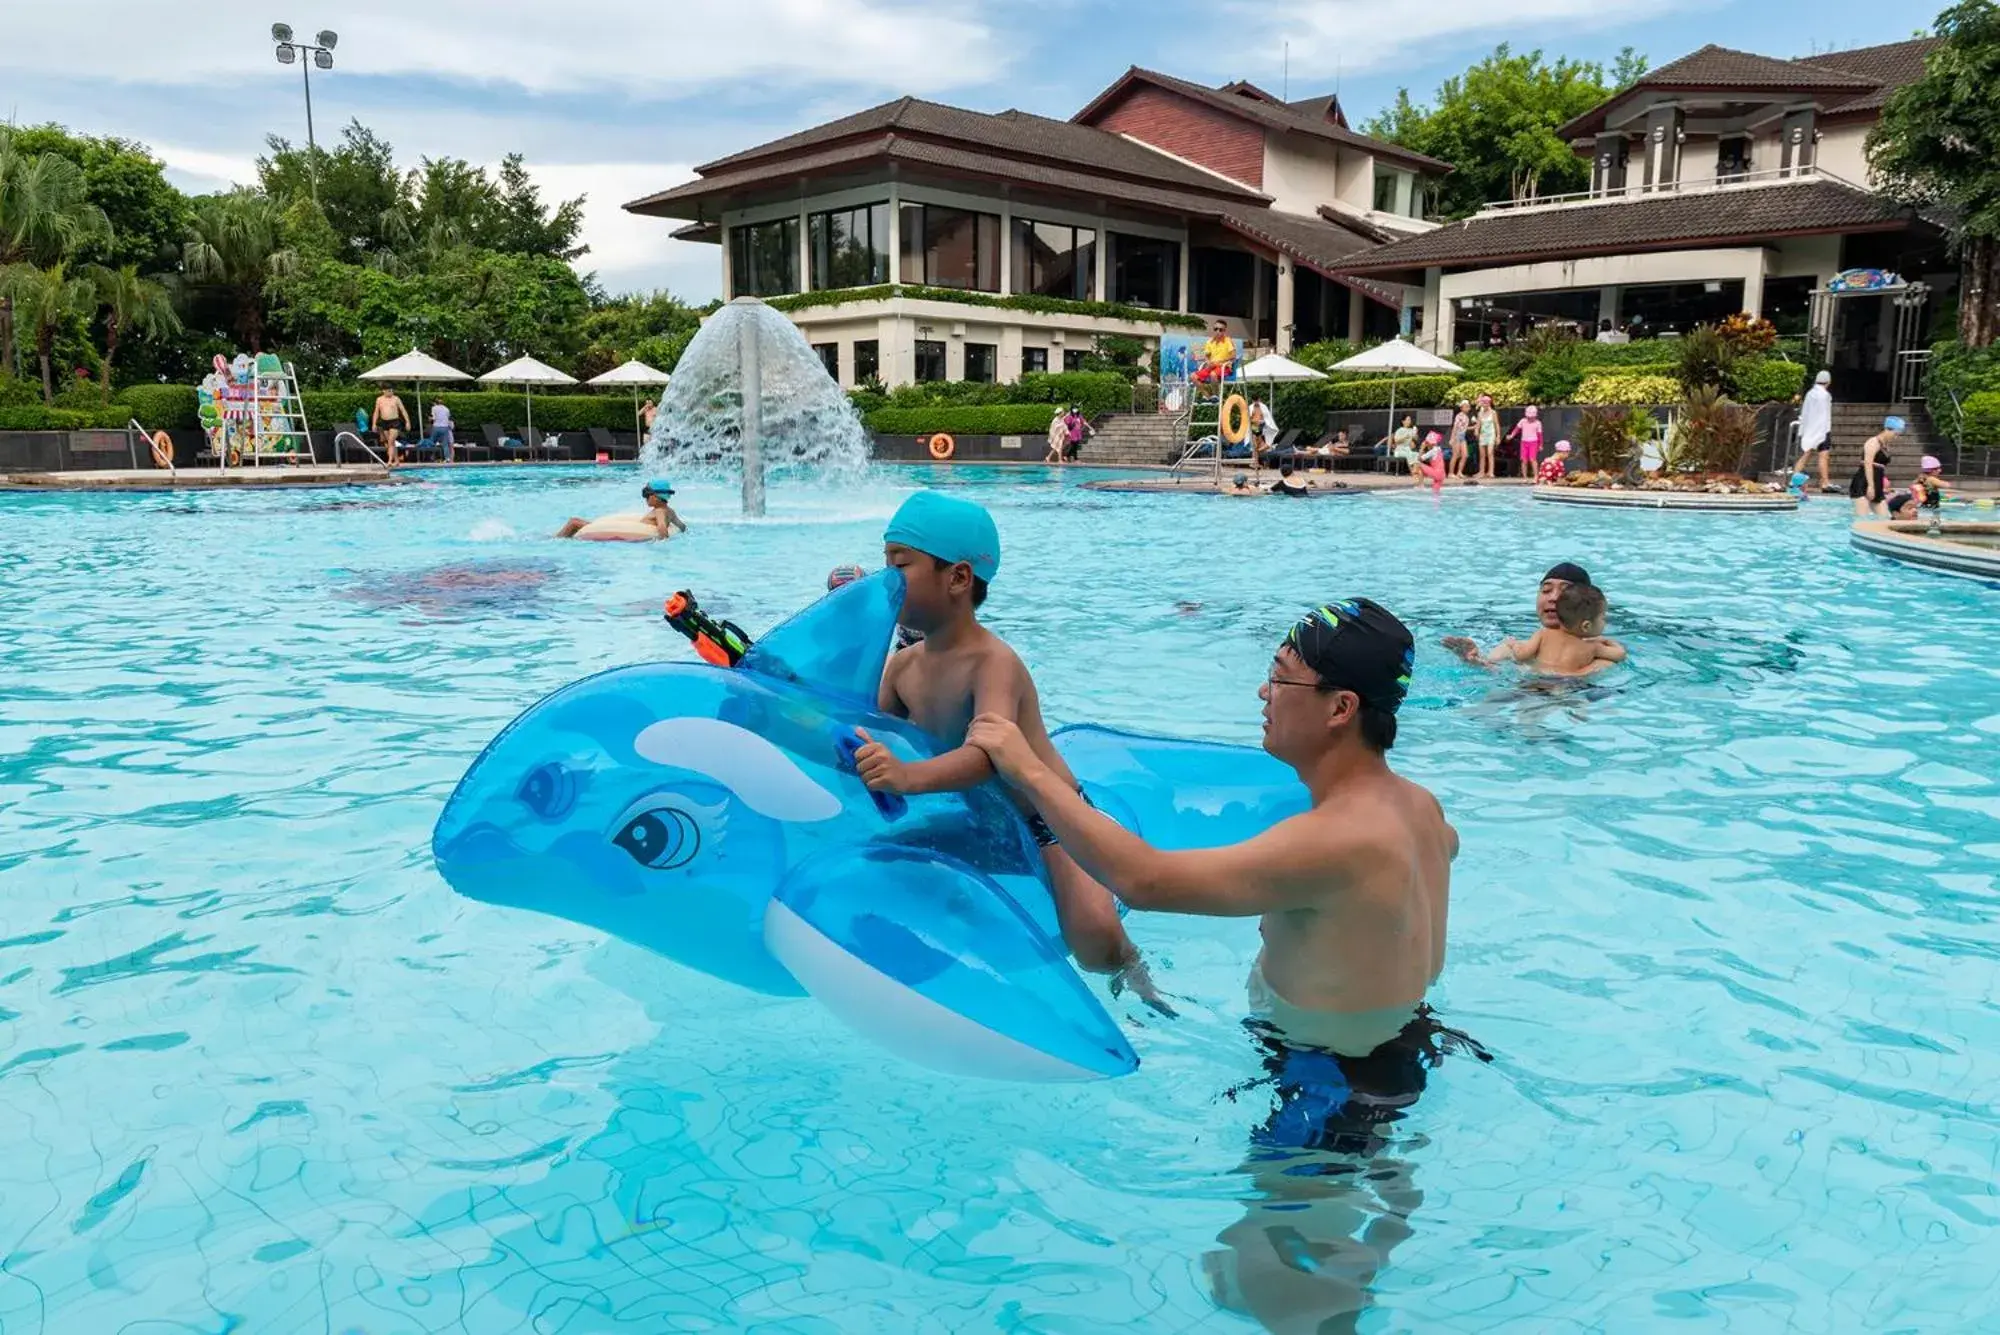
(417, 368)
(1271, 368)
(527, 373)
(1397, 357)
(634, 373)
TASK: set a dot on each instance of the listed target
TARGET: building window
(764, 258)
(867, 360)
(1385, 190)
(951, 247)
(1732, 158)
(981, 361)
(930, 359)
(1034, 359)
(1073, 359)
(1221, 282)
(1788, 303)
(1052, 260)
(1145, 271)
(849, 247)
(829, 357)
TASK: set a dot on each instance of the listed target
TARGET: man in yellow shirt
(1219, 355)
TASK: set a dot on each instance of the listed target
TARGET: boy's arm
(1609, 650)
(1511, 650)
(674, 521)
(997, 691)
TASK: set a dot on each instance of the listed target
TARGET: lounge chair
(499, 442)
(535, 440)
(602, 442)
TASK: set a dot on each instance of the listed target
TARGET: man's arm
(997, 691)
(1287, 866)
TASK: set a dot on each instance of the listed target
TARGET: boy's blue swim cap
(948, 528)
(659, 486)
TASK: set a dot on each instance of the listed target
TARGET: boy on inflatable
(948, 549)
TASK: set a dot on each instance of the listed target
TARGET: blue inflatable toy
(712, 814)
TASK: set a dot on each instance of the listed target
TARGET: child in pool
(948, 549)
(1576, 648)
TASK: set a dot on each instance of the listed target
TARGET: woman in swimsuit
(388, 421)
(1869, 487)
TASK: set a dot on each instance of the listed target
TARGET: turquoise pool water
(1726, 920)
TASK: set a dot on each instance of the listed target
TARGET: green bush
(1640, 352)
(1305, 404)
(1481, 363)
(16, 393)
(1963, 372)
(1627, 387)
(34, 417)
(1982, 419)
(1007, 419)
(1096, 392)
(1321, 355)
(160, 407)
(1763, 380)
(1507, 393)
(1708, 361)
(1553, 378)
(1609, 436)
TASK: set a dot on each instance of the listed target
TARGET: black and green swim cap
(1357, 645)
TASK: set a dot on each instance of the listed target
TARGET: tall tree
(45, 302)
(45, 215)
(1497, 123)
(529, 227)
(1938, 145)
(129, 185)
(131, 305)
(235, 246)
(365, 199)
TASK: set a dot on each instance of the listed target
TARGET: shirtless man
(1575, 647)
(1561, 575)
(1353, 894)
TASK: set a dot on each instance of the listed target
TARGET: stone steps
(1134, 438)
(1854, 423)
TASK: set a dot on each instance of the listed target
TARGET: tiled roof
(1744, 215)
(1323, 247)
(1010, 132)
(1721, 67)
(1254, 104)
(1889, 67)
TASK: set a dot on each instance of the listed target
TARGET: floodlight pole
(307, 54)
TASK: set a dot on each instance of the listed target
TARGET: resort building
(1721, 182)
(916, 241)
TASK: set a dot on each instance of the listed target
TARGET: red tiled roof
(1254, 104)
(1749, 215)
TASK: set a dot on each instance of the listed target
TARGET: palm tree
(45, 300)
(235, 244)
(131, 304)
(45, 214)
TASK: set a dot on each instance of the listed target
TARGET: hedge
(1627, 388)
(1960, 373)
(169, 406)
(1105, 310)
(34, 417)
(1763, 380)
(1981, 423)
(1507, 393)
(1005, 419)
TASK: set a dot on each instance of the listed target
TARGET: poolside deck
(1201, 482)
(185, 479)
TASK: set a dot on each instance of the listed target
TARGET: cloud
(1354, 33)
(643, 49)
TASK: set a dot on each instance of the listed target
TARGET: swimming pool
(1726, 919)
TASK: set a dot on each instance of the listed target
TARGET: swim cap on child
(659, 486)
(948, 528)
(843, 575)
(1929, 464)
(1357, 645)
(1533, 411)
(1567, 571)
(1892, 423)
(1562, 447)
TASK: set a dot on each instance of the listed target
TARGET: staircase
(1124, 439)
(1854, 423)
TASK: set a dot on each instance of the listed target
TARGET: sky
(615, 99)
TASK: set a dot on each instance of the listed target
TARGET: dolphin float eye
(657, 835)
(549, 790)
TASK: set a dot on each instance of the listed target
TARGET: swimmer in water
(1353, 894)
(1573, 647)
(1561, 575)
(658, 523)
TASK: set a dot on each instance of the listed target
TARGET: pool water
(1726, 918)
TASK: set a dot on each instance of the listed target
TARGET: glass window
(1732, 158)
(930, 359)
(867, 359)
(1054, 260)
(849, 247)
(1222, 282)
(981, 361)
(829, 357)
(951, 247)
(1385, 190)
(1034, 359)
(1073, 359)
(764, 258)
(1145, 271)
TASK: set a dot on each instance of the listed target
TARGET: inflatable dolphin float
(713, 815)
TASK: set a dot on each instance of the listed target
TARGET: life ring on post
(1235, 423)
(942, 445)
(163, 450)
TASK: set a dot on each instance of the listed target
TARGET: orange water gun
(722, 643)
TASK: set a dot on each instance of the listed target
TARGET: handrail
(132, 451)
(338, 436)
(1704, 185)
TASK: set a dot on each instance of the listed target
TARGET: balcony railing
(1706, 185)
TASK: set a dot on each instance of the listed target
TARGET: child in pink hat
(1557, 466)
(1431, 463)
(1529, 429)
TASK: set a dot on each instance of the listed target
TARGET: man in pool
(659, 521)
(1353, 893)
(1561, 575)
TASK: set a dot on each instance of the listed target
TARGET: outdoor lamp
(281, 32)
(327, 38)
(323, 59)
(287, 54)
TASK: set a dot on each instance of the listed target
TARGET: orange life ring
(942, 446)
(163, 450)
(1235, 423)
